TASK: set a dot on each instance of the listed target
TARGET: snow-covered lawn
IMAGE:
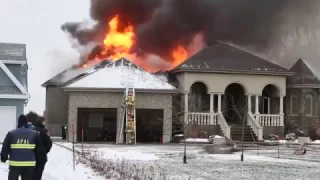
(204, 166)
(59, 167)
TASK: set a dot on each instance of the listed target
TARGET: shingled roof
(13, 51)
(305, 75)
(225, 58)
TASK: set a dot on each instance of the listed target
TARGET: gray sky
(37, 24)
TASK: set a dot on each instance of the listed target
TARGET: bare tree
(242, 113)
(182, 123)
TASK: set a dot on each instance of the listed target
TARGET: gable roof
(225, 58)
(305, 75)
(113, 77)
(73, 73)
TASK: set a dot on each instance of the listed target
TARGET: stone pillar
(257, 105)
(249, 103)
(219, 103)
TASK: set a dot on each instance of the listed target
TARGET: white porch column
(281, 105)
(219, 103)
(281, 111)
(257, 105)
(186, 104)
(249, 104)
(212, 109)
(211, 103)
(186, 107)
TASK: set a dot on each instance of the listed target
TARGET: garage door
(8, 120)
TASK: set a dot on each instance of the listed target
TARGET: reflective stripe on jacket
(22, 147)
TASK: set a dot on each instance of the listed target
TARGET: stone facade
(115, 100)
(302, 120)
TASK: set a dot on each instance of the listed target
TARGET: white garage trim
(9, 121)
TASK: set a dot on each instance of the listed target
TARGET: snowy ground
(204, 166)
(59, 167)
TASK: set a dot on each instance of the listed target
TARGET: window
(294, 105)
(309, 105)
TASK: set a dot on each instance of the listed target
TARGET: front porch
(262, 112)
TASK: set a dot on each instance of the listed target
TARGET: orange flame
(179, 55)
(118, 44)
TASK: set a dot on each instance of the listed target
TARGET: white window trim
(14, 96)
(311, 105)
(291, 110)
(22, 62)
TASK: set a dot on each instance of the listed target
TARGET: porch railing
(202, 118)
(224, 125)
(270, 119)
(255, 126)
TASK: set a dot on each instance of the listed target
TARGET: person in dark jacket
(44, 149)
(21, 145)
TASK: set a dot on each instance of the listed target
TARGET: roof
(305, 75)
(73, 73)
(226, 58)
(114, 76)
(13, 51)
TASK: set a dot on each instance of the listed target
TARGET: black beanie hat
(22, 121)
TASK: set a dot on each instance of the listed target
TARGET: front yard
(166, 162)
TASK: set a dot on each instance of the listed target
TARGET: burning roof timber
(113, 76)
(75, 73)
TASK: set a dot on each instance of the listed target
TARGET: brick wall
(114, 100)
(302, 120)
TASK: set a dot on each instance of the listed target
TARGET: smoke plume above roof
(270, 27)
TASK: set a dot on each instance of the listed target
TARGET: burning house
(217, 85)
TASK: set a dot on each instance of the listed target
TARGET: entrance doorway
(235, 108)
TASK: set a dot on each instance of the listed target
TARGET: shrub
(120, 168)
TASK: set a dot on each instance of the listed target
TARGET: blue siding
(4, 79)
(15, 70)
(14, 102)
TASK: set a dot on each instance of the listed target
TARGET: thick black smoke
(162, 24)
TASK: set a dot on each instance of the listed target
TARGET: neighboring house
(218, 89)
(303, 96)
(13, 85)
